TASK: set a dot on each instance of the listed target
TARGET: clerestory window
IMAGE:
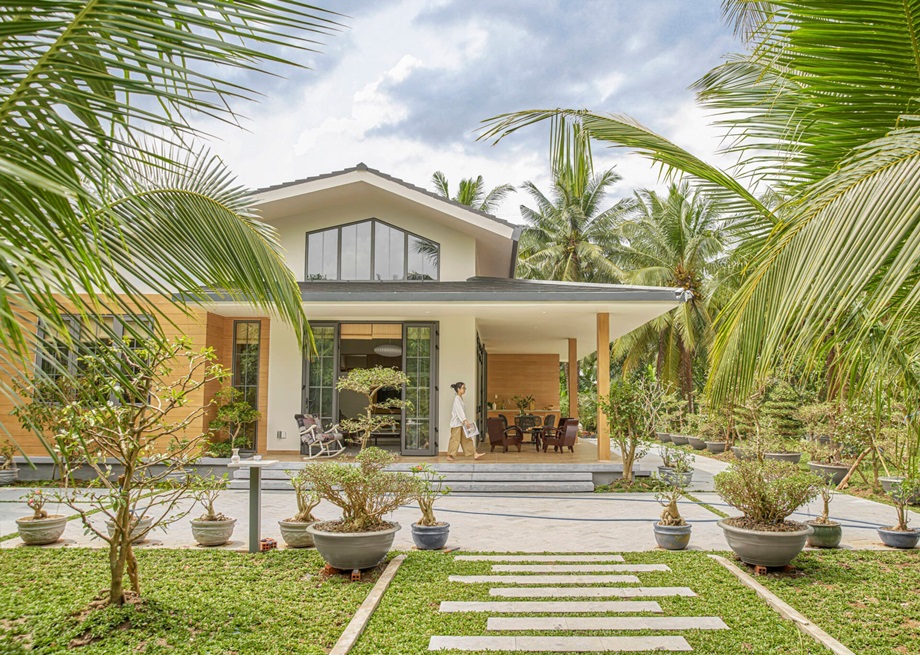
(371, 250)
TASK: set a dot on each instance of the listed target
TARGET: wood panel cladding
(523, 375)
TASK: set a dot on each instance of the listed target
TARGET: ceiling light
(388, 350)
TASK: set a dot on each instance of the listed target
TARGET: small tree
(780, 410)
(767, 491)
(205, 491)
(233, 414)
(632, 409)
(368, 382)
(903, 493)
(430, 488)
(7, 451)
(307, 499)
(670, 489)
(97, 421)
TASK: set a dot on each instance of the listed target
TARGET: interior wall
(523, 375)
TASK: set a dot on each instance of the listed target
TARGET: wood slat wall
(522, 375)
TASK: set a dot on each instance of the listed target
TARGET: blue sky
(404, 87)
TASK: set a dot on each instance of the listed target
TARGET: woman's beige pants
(458, 439)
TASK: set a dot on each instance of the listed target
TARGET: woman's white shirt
(458, 413)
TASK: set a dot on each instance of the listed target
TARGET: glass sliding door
(320, 376)
(246, 346)
(420, 431)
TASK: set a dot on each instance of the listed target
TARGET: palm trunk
(686, 376)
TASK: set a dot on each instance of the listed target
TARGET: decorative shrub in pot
(676, 466)
(140, 528)
(428, 533)
(679, 439)
(672, 532)
(766, 492)
(41, 528)
(696, 443)
(8, 471)
(900, 535)
(294, 530)
(826, 533)
(365, 493)
(211, 528)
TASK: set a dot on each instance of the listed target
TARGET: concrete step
(528, 606)
(545, 579)
(552, 644)
(578, 568)
(451, 477)
(589, 592)
(539, 558)
(458, 487)
(568, 623)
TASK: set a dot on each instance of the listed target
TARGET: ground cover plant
(194, 602)
(869, 600)
(408, 614)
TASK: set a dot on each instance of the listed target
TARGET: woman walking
(458, 422)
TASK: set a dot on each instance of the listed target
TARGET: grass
(196, 601)
(408, 615)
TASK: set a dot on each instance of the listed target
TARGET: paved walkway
(509, 522)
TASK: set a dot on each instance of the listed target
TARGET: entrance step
(590, 592)
(561, 644)
(608, 623)
(528, 606)
(544, 579)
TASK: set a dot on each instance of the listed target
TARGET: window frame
(76, 327)
(373, 247)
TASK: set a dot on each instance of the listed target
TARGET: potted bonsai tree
(366, 493)
(294, 530)
(676, 466)
(766, 492)
(672, 532)
(8, 471)
(825, 532)
(378, 414)
(41, 528)
(901, 536)
(233, 414)
(211, 528)
(828, 460)
(428, 533)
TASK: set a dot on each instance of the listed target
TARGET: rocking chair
(316, 443)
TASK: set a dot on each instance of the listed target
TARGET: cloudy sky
(404, 87)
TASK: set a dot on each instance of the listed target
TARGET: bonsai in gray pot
(676, 466)
(8, 471)
(294, 530)
(672, 532)
(900, 535)
(211, 528)
(826, 533)
(41, 528)
(766, 492)
(366, 493)
(428, 533)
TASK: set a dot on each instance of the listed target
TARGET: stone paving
(562, 631)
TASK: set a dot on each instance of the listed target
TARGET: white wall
(457, 362)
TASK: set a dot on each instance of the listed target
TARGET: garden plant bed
(193, 602)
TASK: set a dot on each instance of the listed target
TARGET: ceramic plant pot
(663, 437)
(138, 533)
(898, 539)
(765, 548)
(891, 483)
(42, 531)
(679, 439)
(741, 453)
(348, 551)
(792, 458)
(825, 535)
(832, 472)
(430, 537)
(212, 533)
(672, 537)
(668, 474)
(295, 533)
(8, 476)
(696, 443)
(717, 446)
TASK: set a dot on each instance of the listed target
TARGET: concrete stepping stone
(540, 558)
(522, 606)
(578, 568)
(552, 644)
(589, 592)
(544, 579)
(609, 623)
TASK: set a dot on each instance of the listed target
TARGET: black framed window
(58, 354)
(247, 336)
(370, 250)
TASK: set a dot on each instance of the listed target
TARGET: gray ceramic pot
(43, 531)
(898, 539)
(793, 458)
(138, 534)
(663, 437)
(825, 535)
(430, 537)
(891, 483)
(672, 537)
(717, 446)
(295, 533)
(668, 474)
(831, 472)
(765, 548)
(741, 453)
(212, 533)
(679, 439)
(8, 476)
(696, 443)
(353, 550)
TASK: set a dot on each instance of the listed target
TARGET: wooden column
(603, 384)
(573, 378)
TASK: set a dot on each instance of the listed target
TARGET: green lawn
(197, 601)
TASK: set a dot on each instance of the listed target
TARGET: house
(394, 275)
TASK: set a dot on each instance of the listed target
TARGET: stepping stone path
(552, 570)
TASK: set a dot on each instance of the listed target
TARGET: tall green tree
(106, 195)
(821, 108)
(673, 240)
(472, 192)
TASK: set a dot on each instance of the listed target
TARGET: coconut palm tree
(106, 197)
(822, 109)
(472, 192)
(675, 240)
(568, 233)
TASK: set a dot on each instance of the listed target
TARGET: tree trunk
(686, 376)
(117, 573)
(628, 456)
(659, 363)
(846, 479)
(133, 572)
